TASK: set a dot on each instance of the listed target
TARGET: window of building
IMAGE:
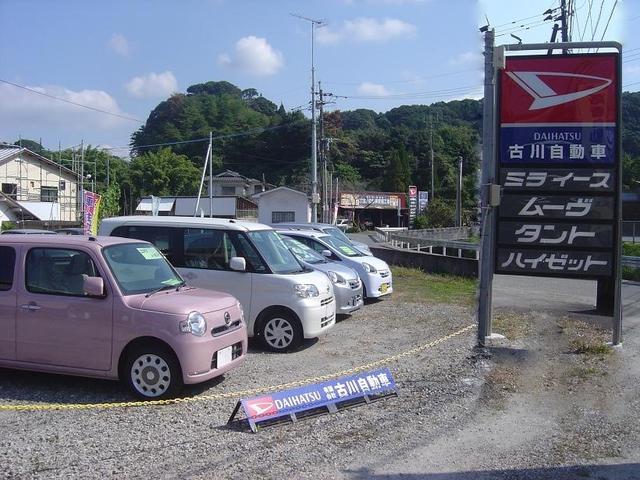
(283, 217)
(62, 185)
(48, 194)
(10, 190)
(228, 190)
(7, 267)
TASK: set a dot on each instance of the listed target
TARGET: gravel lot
(526, 408)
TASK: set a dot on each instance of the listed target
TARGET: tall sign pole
(315, 198)
(560, 168)
(488, 174)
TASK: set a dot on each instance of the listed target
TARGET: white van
(283, 301)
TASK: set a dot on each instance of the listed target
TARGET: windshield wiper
(159, 289)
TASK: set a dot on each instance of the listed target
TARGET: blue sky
(127, 56)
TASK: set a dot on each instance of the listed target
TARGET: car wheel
(281, 332)
(152, 372)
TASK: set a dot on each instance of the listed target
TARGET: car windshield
(140, 268)
(304, 253)
(275, 252)
(337, 234)
(343, 247)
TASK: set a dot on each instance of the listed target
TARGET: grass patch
(414, 285)
(583, 346)
(511, 324)
(584, 372)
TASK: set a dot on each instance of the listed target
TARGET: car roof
(304, 233)
(226, 223)
(28, 231)
(65, 240)
(306, 225)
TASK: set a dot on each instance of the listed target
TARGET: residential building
(232, 183)
(33, 187)
(283, 205)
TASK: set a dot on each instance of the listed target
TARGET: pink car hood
(183, 302)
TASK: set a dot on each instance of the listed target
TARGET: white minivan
(283, 300)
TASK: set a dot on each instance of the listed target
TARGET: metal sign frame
(492, 175)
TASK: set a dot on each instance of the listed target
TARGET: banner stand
(294, 417)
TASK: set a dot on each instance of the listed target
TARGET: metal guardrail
(447, 242)
(628, 261)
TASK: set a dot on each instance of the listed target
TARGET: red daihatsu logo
(544, 96)
(262, 406)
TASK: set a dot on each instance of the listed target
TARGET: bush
(631, 249)
(421, 222)
(440, 214)
(8, 226)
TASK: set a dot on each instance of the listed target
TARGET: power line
(610, 15)
(206, 139)
(598, 20)
(389, 82)
(71, 102)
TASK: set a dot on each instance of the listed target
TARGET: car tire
(152, 372)
(281, 332)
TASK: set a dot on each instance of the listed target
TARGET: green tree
(398, 174)
(110, 202)
(163, 173)
(440, 213)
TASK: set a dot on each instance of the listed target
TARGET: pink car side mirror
(93, 286)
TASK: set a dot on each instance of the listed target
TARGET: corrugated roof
(6, 152)
(9, 151)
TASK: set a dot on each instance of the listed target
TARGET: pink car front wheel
(153, 373)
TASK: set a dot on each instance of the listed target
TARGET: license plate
(384, 287)
(224, 356)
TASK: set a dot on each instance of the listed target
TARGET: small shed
(282, 205)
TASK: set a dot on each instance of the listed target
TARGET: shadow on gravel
(255, 346)
(624, 471)
(33, 387)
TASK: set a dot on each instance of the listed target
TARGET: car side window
(207, 248)
(57, 271)
(159, 236)
(7, 267)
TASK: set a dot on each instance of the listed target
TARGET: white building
(282, 204)
(230, 183)
(36, 188)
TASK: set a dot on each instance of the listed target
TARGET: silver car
(347, 286)
(329, 229)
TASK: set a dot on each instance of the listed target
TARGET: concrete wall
(464, 267)
(283, 201)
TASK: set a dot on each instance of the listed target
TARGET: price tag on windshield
(347, 250)
(149, 253)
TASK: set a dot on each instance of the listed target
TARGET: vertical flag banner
(413, 204)
(91, 202)
(559, 165)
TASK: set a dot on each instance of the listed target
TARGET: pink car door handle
(30, 306)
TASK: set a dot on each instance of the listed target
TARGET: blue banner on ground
(317, 395)
(558, 144)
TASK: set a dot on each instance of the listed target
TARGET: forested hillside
(256, 137)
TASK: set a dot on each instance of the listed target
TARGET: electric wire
(609, 20)
(125, 117)
(598, 20)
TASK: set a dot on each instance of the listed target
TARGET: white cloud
(367, 30)
(375, 89)
(152, 85)
(28, 111)
(119, 44)
(467, 58)
(253, 55)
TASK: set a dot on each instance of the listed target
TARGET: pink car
(112, 308)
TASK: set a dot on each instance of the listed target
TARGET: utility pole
(314, 147)
(488, 178)
(564, 20)
(459, 195)
(322, 156)
(433, 183)
(210, 174)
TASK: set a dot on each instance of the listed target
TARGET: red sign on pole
(559, 165)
